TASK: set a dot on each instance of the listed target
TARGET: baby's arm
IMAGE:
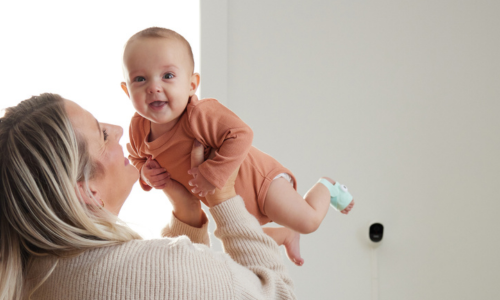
(151, 173)
(215, 126)
(138, 162)
(154, 175)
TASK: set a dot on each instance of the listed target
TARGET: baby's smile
(158, 105)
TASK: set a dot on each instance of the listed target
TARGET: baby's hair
(159, 32)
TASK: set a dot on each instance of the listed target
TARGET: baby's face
(158, 74)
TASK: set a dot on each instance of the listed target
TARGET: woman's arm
(177, 227)
(257, 267)
(187, 216)
(254, 268)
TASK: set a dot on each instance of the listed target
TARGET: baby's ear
(195, 82)
(124, 88)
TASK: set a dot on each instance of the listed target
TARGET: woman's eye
(105, 134)
(139, 79)
(168, 76)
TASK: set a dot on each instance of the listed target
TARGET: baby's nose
(154, 89)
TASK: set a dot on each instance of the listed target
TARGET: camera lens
(376, 232)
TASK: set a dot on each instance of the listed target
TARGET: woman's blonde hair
(42, 159)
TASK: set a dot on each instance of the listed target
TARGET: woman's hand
(186, 207)
(227, 192)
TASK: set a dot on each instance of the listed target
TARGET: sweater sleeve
(259, 271)
(216, 126)
(173, 268)
(177, 228)
(133, 150)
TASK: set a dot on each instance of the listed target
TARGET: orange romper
(214, 126)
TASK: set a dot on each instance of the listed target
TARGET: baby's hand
(202, 187)
(154, 175)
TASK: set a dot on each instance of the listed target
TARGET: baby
(160, 81)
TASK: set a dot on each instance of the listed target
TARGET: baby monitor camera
(376, 232)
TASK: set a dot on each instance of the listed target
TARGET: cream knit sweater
(175, 267)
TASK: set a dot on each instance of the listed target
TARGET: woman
(63, 180)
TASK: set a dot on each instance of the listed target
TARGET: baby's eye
(105, 134)
(139, 79)
(168, 76)
(343, 187)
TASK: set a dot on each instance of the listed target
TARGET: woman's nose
(119, 131)
(115, 131)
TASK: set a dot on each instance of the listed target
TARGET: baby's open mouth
(157, 105)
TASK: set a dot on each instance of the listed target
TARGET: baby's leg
(288, 238)
(286, 207)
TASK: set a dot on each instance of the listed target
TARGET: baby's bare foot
(292, 247)
(348, 208)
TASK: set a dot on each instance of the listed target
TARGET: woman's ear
(86, 197)
(125, 89)
(195, 82)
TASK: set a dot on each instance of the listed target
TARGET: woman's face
(113, 185)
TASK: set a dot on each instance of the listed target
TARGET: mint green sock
(340, 198)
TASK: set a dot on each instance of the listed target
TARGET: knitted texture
(174, 267)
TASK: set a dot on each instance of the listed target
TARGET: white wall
(399, 100)
(75, 50)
